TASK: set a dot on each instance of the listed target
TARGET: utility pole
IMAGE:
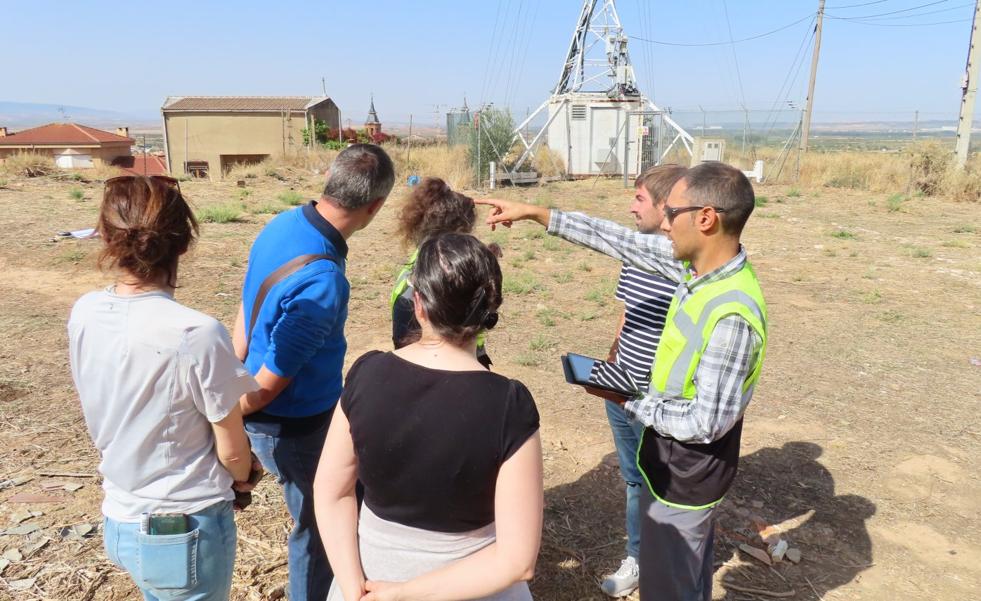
(806, 129)
(408, 145)
(969, 91)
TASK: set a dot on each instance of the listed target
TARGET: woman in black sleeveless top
(448, 452)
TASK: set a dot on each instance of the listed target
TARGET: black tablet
(596, 373)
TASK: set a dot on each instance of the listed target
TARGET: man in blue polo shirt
(295, 349)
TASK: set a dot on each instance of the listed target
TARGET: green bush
(496, 132)
(291, 198)
(219, 214)
(76, 193)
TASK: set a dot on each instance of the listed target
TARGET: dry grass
(28, 164)
(548, 162)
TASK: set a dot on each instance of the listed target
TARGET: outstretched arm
(506, 212)
(645, 251)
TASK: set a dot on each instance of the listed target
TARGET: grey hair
(360, 174)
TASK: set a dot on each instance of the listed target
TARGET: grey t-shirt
(152, 375)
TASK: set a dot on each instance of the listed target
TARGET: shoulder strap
(282, 272)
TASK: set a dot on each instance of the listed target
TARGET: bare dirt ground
(862, 439)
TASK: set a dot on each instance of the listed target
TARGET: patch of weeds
(219, 214)
(521, 283)
(76, 194)
(761, 201)
(550, 243)
(598, 295)
(768, 216)
(872, 298)
(291, 198)
(535, 234)
(269, 208)
(73, 256)
(528, 359)
(955, 244)
(964, 229)
(797, 278)
(890, 316)
(793, 193)
(3, 183)
(895, 202)
(528, 255)
(244, 193)
(588, 316)
(546, 317)
(869, 274)
(563, 277)
(843, 235)
(584, 266)
(541, 343)
(918, 252)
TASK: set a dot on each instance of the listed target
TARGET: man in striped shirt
(646, 297)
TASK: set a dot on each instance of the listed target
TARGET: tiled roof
(155, 165)
(241, 103)
(68, 134)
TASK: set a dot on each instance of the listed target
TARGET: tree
(495, 128)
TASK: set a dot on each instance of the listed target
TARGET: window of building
(196, 168)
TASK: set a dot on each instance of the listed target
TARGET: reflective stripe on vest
(402, 280)
(690, 322)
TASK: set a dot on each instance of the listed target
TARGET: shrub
(761, 201)
(895, 202)
(219, 214)
(76, 194)
(29, 164)
(843, 235)
(495, 134)
(521, 283)
(291, 198)
(793, 193)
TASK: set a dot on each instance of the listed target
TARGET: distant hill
(23, 115)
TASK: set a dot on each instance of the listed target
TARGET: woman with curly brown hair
(159, 385)
(431, 209)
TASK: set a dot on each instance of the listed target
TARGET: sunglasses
(672, 212)
(164, 179)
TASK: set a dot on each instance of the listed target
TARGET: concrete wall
(208, 136)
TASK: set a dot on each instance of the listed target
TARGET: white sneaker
(624, 581)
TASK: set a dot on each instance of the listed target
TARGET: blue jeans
(293, 460)
(196, 566)
(626, 437)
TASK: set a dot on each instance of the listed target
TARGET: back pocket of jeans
(168, 561)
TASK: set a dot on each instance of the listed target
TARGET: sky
(879, 62)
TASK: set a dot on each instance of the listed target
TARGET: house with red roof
(72, 146)
(142, 164)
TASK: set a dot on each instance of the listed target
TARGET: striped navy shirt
(646, 298)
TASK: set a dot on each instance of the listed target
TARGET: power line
(929, 12)
(895, 12)
(906, 24)
(755, 37)
(857, 5)
(735, 60)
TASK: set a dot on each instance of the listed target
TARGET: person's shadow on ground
(583, 537)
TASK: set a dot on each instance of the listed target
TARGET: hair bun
(148, 245)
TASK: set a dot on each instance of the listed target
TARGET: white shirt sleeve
(217, 379)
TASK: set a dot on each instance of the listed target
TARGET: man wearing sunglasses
(706, 366)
